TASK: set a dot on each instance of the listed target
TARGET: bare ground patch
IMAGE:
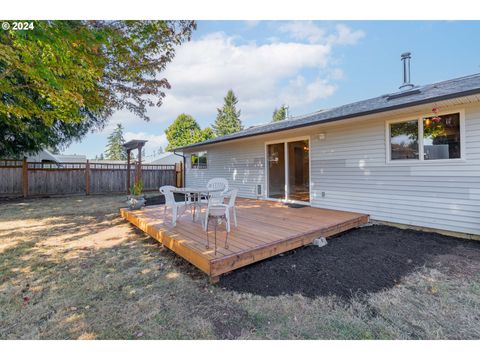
(71, 268)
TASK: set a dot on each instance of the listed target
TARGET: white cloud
(301, 92)
(153, 141)
(263, 76)
(304, 30)
(346, 36)
(314, 34)
(203, 71)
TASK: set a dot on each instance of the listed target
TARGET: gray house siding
(349, 171)
(242, 164)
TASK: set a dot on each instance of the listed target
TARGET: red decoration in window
(436, 118)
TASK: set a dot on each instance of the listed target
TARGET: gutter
(184, 166)
(344, 117)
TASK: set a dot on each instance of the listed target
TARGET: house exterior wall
(350, 171)
(241, 163)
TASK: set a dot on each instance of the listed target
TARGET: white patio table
(195, 194)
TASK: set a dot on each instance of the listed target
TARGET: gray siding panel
(242, 164)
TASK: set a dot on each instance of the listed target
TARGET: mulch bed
(160, 199)
(361, 261)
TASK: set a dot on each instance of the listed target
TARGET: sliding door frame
(285, 142)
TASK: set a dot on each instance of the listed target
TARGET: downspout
(184, 167)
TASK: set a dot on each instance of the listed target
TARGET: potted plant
(136, 199)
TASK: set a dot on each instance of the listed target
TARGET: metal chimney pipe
(405, 57)
(287, 115)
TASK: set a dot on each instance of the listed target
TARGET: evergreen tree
(160, 150)
(101, 157)
(228, 117)
(115, 150)
(185, 131)
(279, 114)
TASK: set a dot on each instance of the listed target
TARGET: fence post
(25, 177)
(138, 174)
(176, 175)
(182, 173)
(87, 178)
(179, 175)
(128, 171)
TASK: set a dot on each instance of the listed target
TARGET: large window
(199, 160)
(404, 140)
(441, 137)
(429, 138)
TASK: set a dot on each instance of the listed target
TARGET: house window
(430, 138)
(404, 140)
(441, 137)
(199, 160)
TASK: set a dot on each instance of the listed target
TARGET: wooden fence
(24, 178)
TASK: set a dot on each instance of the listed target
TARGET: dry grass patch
(70, 268)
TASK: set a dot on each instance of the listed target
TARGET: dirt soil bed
(358, 262)
(160, 199)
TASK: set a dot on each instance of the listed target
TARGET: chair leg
(226, 241)
(208, 239)
(216, 224)
(174, 216)
(227, 220)
(235, 216)
(206, 219)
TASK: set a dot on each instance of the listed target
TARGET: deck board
(265, 229)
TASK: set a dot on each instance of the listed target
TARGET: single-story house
(47, 156)
(410, 157)
(167, 158)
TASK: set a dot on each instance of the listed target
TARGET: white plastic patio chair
(217, 183)
(231, 195)
(170, 201)
(217, 213)
(216, 199)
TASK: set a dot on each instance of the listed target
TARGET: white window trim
(190, 160)
(421, 161)
(285, 142)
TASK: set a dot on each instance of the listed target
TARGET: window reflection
(404, 140)
(441, 137)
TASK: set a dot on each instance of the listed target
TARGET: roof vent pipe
(405, 57)
(287, 115)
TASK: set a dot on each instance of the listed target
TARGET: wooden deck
(265, 229)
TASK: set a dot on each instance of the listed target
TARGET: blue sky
(307, 65)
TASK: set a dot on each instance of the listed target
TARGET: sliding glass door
(289, 170)
(298, 171)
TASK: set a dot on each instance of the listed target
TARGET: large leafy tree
(115, 149)
(279, 114)
(65, 78)
(185, 131)
(228, 117)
